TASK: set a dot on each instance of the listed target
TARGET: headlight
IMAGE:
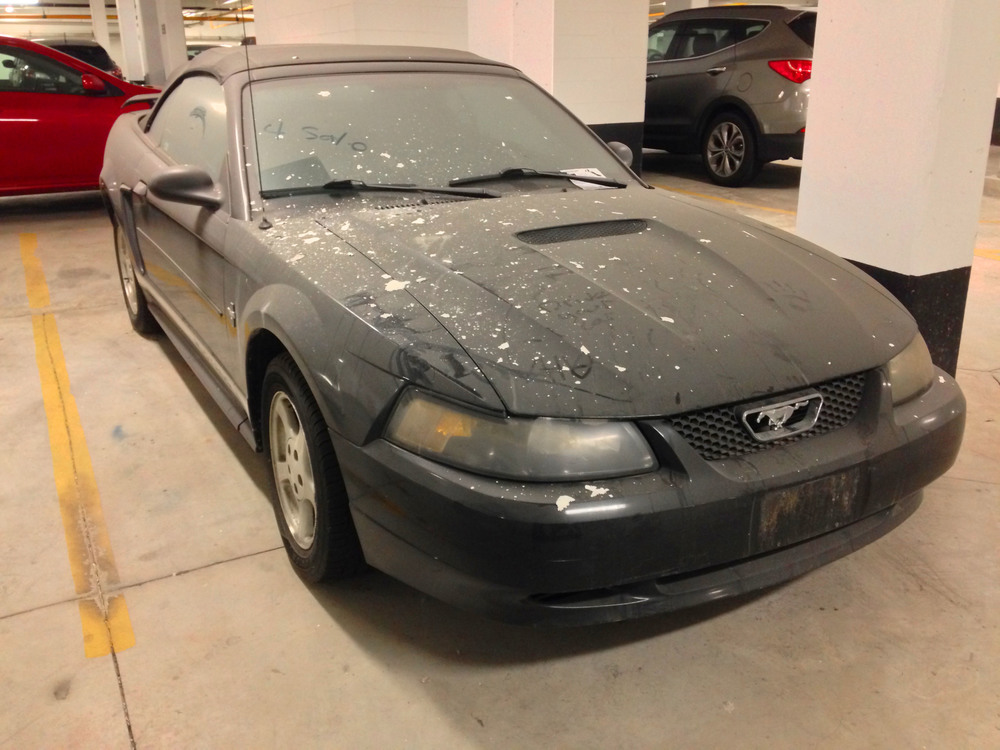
(524, 449)
(911, 371)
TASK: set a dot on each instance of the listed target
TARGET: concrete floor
(218, 644)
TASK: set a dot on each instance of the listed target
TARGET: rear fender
(723, 104)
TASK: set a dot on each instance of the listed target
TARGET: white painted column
(522, 34)
(590, 56)
(152, 34)
(133, 50)
(170, 26)
(99, 19)
(900, 116)
(423, 23)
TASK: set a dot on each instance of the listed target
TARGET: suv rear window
(805, 28)
(95, 56)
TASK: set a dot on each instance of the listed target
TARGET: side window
(28, 72)
(659, 42)
(699, 38)
(747, 29)
(190, 125)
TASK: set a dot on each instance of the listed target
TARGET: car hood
(623, 303)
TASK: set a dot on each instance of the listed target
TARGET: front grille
(718, 433)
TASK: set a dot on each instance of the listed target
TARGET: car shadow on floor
(381, 614)
(34, 205)
(774, 175)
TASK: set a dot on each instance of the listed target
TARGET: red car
(55, 114)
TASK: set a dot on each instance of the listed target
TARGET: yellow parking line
(723, 200)
(104, 617)
(983, 252)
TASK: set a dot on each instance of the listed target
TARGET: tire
(307, 488)
(135, 299)
(729, 150)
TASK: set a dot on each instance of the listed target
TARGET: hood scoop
(590, 231)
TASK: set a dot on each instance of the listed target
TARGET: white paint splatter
(310, 240)
(504, 345)
(564, 502)
(585, 350)
(298, 257)
(619, 368)
(596, 491)
(665, 319)
(395, 286)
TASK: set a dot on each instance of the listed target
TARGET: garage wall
(427, 23)
(600, 64)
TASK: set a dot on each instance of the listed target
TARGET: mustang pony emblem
(767, 422)
(776, 418)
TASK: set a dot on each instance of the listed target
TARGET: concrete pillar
(170, 27)
(423, 23)
(133, 60)
(900, 115)
(152, 33)
(99, 19)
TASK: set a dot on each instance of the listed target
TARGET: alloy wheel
(293, 474)
(726, 149)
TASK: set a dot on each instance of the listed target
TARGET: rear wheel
(308, 493)
(729, 150)
(135, 300)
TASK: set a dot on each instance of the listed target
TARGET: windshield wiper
(360, 185)
(523, 173)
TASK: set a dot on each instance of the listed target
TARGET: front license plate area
(797, 513)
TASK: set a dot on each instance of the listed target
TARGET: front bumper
(691, 532)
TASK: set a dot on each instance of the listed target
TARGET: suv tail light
(797, 71)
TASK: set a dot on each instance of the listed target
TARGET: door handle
(140, 189)
(651, 76)
(716, 71)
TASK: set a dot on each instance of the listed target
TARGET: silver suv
(730, 83)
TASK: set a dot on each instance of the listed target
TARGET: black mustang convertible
(483, 356)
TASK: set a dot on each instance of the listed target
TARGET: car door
(52, 128)
(689, 64)
(182, 245)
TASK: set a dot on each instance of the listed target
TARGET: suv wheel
(729, 150)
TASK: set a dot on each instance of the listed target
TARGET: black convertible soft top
(222, 62)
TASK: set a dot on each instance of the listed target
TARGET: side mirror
(187, 184)
(92, 84)
(623, 152)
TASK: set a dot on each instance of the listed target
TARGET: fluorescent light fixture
(11, 3)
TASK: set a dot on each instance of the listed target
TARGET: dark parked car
(730, 83)
(55, 114)
(483, 356)
(86, 50)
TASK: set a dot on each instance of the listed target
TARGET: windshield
(418, 128)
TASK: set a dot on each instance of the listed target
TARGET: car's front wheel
(135, 300)
(729, 150)
(310, 500)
